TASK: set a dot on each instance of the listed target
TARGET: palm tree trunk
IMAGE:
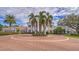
(44, 30)
(32, 28)
(48, 28)
(40, 28)
(36, 27)
(10, 27)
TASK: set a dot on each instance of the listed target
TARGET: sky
(21, 13)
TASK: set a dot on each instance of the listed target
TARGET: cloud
(21, 13)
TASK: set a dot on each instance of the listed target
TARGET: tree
(72, 21)
(1, 27)
(49, 22)
(42, 21)
(60, 22)
(10, 19)
(59, 30)
(32, 20)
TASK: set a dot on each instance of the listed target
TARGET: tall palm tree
(33, 22)
(10, 19)
(49, 22)
(42, 21)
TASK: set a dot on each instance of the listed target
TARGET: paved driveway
(38, 43)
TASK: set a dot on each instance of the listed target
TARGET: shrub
(18, 30)
(39, 34)
(7, 33)
(1, 27)
(59, 30)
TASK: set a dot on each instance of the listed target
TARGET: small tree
(1, 27)
(59, 30)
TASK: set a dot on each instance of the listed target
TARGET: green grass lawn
(7, 33)
(73, 36)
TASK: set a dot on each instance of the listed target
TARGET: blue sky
(21, 13)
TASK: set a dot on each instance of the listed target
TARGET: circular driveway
(25, 42)
(50, 38)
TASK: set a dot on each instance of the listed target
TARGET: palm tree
(10, 19)
(42, 21)
(33, 22)
(49, 21)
